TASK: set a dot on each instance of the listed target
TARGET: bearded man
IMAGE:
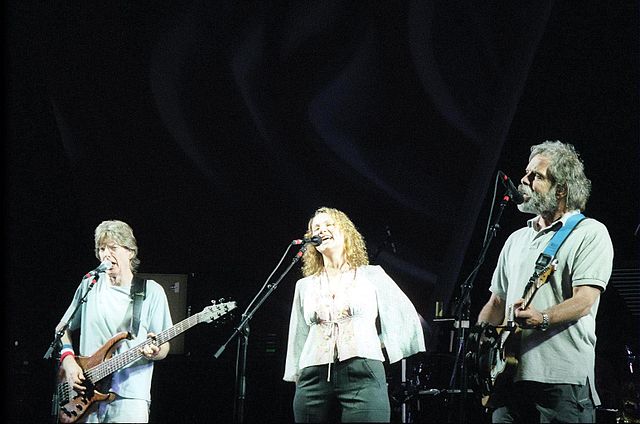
(554, 379)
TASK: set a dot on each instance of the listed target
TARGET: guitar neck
(537, 281)
(121, 360)
(529, 292)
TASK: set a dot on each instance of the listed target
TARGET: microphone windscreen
(105, 265)
(315, 240)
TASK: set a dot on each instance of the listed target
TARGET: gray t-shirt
(564, 354)
(106, 312)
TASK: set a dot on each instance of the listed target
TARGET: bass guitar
(492, 352)
(103, 363)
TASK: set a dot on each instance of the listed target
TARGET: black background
(215, 130)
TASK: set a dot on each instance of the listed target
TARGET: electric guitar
(103, 363)
(493, 352)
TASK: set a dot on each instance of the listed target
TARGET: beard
(538, 203)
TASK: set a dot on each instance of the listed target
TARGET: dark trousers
(356, 392)
(533, 402)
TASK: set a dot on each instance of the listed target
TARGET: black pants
(533, 402)
(356, 391)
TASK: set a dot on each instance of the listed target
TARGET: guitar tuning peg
(213, 301)
(222, 299)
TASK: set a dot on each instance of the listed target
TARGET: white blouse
(335, 323)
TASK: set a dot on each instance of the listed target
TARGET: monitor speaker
(175, 287)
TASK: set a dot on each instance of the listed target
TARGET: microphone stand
(242, 330)
(56, 346)
(462, 312)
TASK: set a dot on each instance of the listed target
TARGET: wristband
(67, 350)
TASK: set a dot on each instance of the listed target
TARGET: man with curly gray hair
(555, 335)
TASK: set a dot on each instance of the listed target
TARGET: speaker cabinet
(175, 287)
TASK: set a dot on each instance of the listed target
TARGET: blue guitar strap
(556, 241)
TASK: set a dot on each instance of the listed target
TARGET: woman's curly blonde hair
(354, 245)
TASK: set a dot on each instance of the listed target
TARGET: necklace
(344, 267)
(335, 285)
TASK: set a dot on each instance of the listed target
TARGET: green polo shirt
(564, 354)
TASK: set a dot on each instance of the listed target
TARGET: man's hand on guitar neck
(527, 318)
(570, 310)
(152, 351)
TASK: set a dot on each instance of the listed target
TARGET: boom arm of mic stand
(243, 327)
(57, 341)
(246, 317)
(467, 285)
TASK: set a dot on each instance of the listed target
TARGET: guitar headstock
(546, 272)
(216, 310)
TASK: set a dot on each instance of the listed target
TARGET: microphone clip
(315, 240)
(511, 193)
(300, 253)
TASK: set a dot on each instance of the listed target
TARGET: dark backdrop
(216, 128)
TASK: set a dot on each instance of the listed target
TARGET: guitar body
(492, 352)
(505, 363)
(73, 405)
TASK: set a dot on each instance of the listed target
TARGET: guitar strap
(556, 241)
(138, 293)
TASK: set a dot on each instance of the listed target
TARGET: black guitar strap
(138, 293)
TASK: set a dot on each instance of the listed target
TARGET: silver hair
(120, 233)
(566, 171)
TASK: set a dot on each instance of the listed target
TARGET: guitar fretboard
(536, 282)
(120, 360)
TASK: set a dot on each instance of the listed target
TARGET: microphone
(102, 268)
(516, 196)
(315, 240)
